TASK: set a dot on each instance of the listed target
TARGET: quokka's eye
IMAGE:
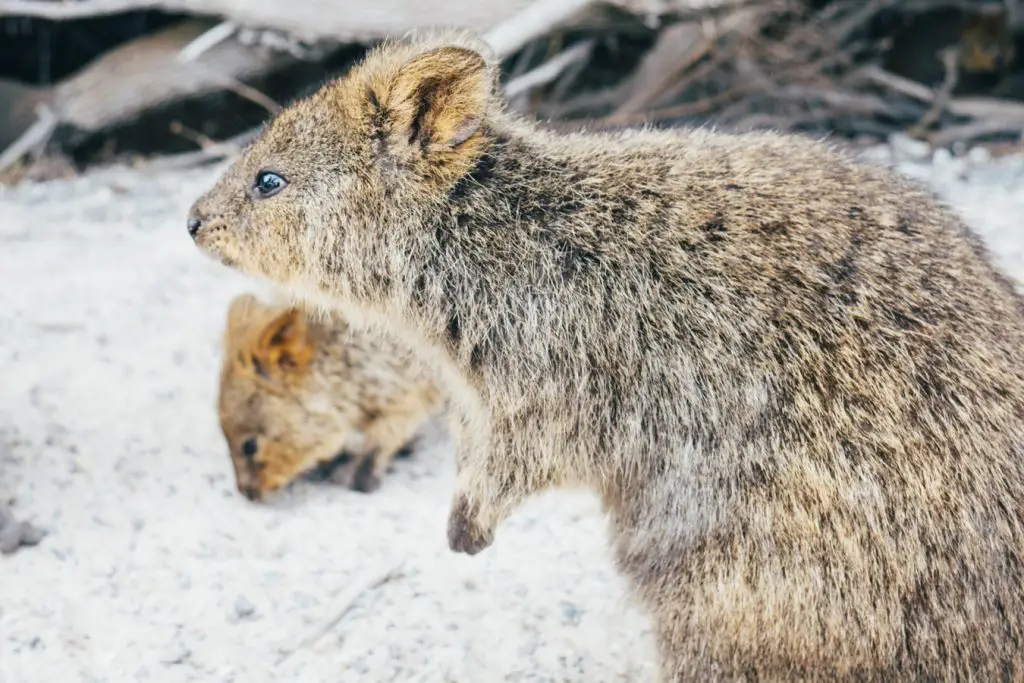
(249, 447)
(268, 184)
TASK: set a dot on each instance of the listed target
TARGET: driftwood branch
(32, 139)
(979, 107)
(942, 96)
(207, 41)
(143, 74)
(550, 70)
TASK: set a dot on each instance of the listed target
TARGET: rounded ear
(283, 345)
(438, 98)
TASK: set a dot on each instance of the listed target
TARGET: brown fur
(796, 381)
(303, 386)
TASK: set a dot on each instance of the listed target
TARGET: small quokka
(296, 387)
(796, 381)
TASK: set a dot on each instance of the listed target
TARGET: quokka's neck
(465, 264)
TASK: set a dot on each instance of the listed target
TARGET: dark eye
(249, 447)
(268, 184)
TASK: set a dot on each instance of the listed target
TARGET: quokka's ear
(283, 345)
(437, 100)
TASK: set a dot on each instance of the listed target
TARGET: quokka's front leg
(469, 530)
(488, 488)
(368, 475)
(388, 438)
(371, 472)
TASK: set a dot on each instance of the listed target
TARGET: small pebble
(942, 157)
(243, 608)
(907, 147)
(31, 535)
(979, 156)
(15, 534)
(176, 654)
(10, 538)
(570, 612)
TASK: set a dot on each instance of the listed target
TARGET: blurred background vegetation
(173, 83)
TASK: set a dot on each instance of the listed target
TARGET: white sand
(156, 570)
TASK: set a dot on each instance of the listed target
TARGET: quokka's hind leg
(337, 470)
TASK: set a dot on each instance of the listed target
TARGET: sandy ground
(154, 569)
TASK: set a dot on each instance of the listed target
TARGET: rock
(10, 538)
(570, 613)
(942, 157)
(243, 608)
(908, 148)
(31, 535)
(979, 156)
(15, 534)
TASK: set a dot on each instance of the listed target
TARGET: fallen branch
(141, 75)
(146, 73)
(550, 70)
(902, 85)
(969, 132)
(940, 101)
(206, 41)
(968, 107)
(32, 140)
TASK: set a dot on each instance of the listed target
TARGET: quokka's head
(334, 181)
(275, 413)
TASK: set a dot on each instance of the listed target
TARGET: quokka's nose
(194, 223)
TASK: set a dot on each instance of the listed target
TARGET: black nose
(251, 493)
(193, 225)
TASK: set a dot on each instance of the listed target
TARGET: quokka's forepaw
(464, 532)
(365, 480)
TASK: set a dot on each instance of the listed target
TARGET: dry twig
(206, 41)
(969, 132)
(549, 70)
(344, 606)
(33, 139)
